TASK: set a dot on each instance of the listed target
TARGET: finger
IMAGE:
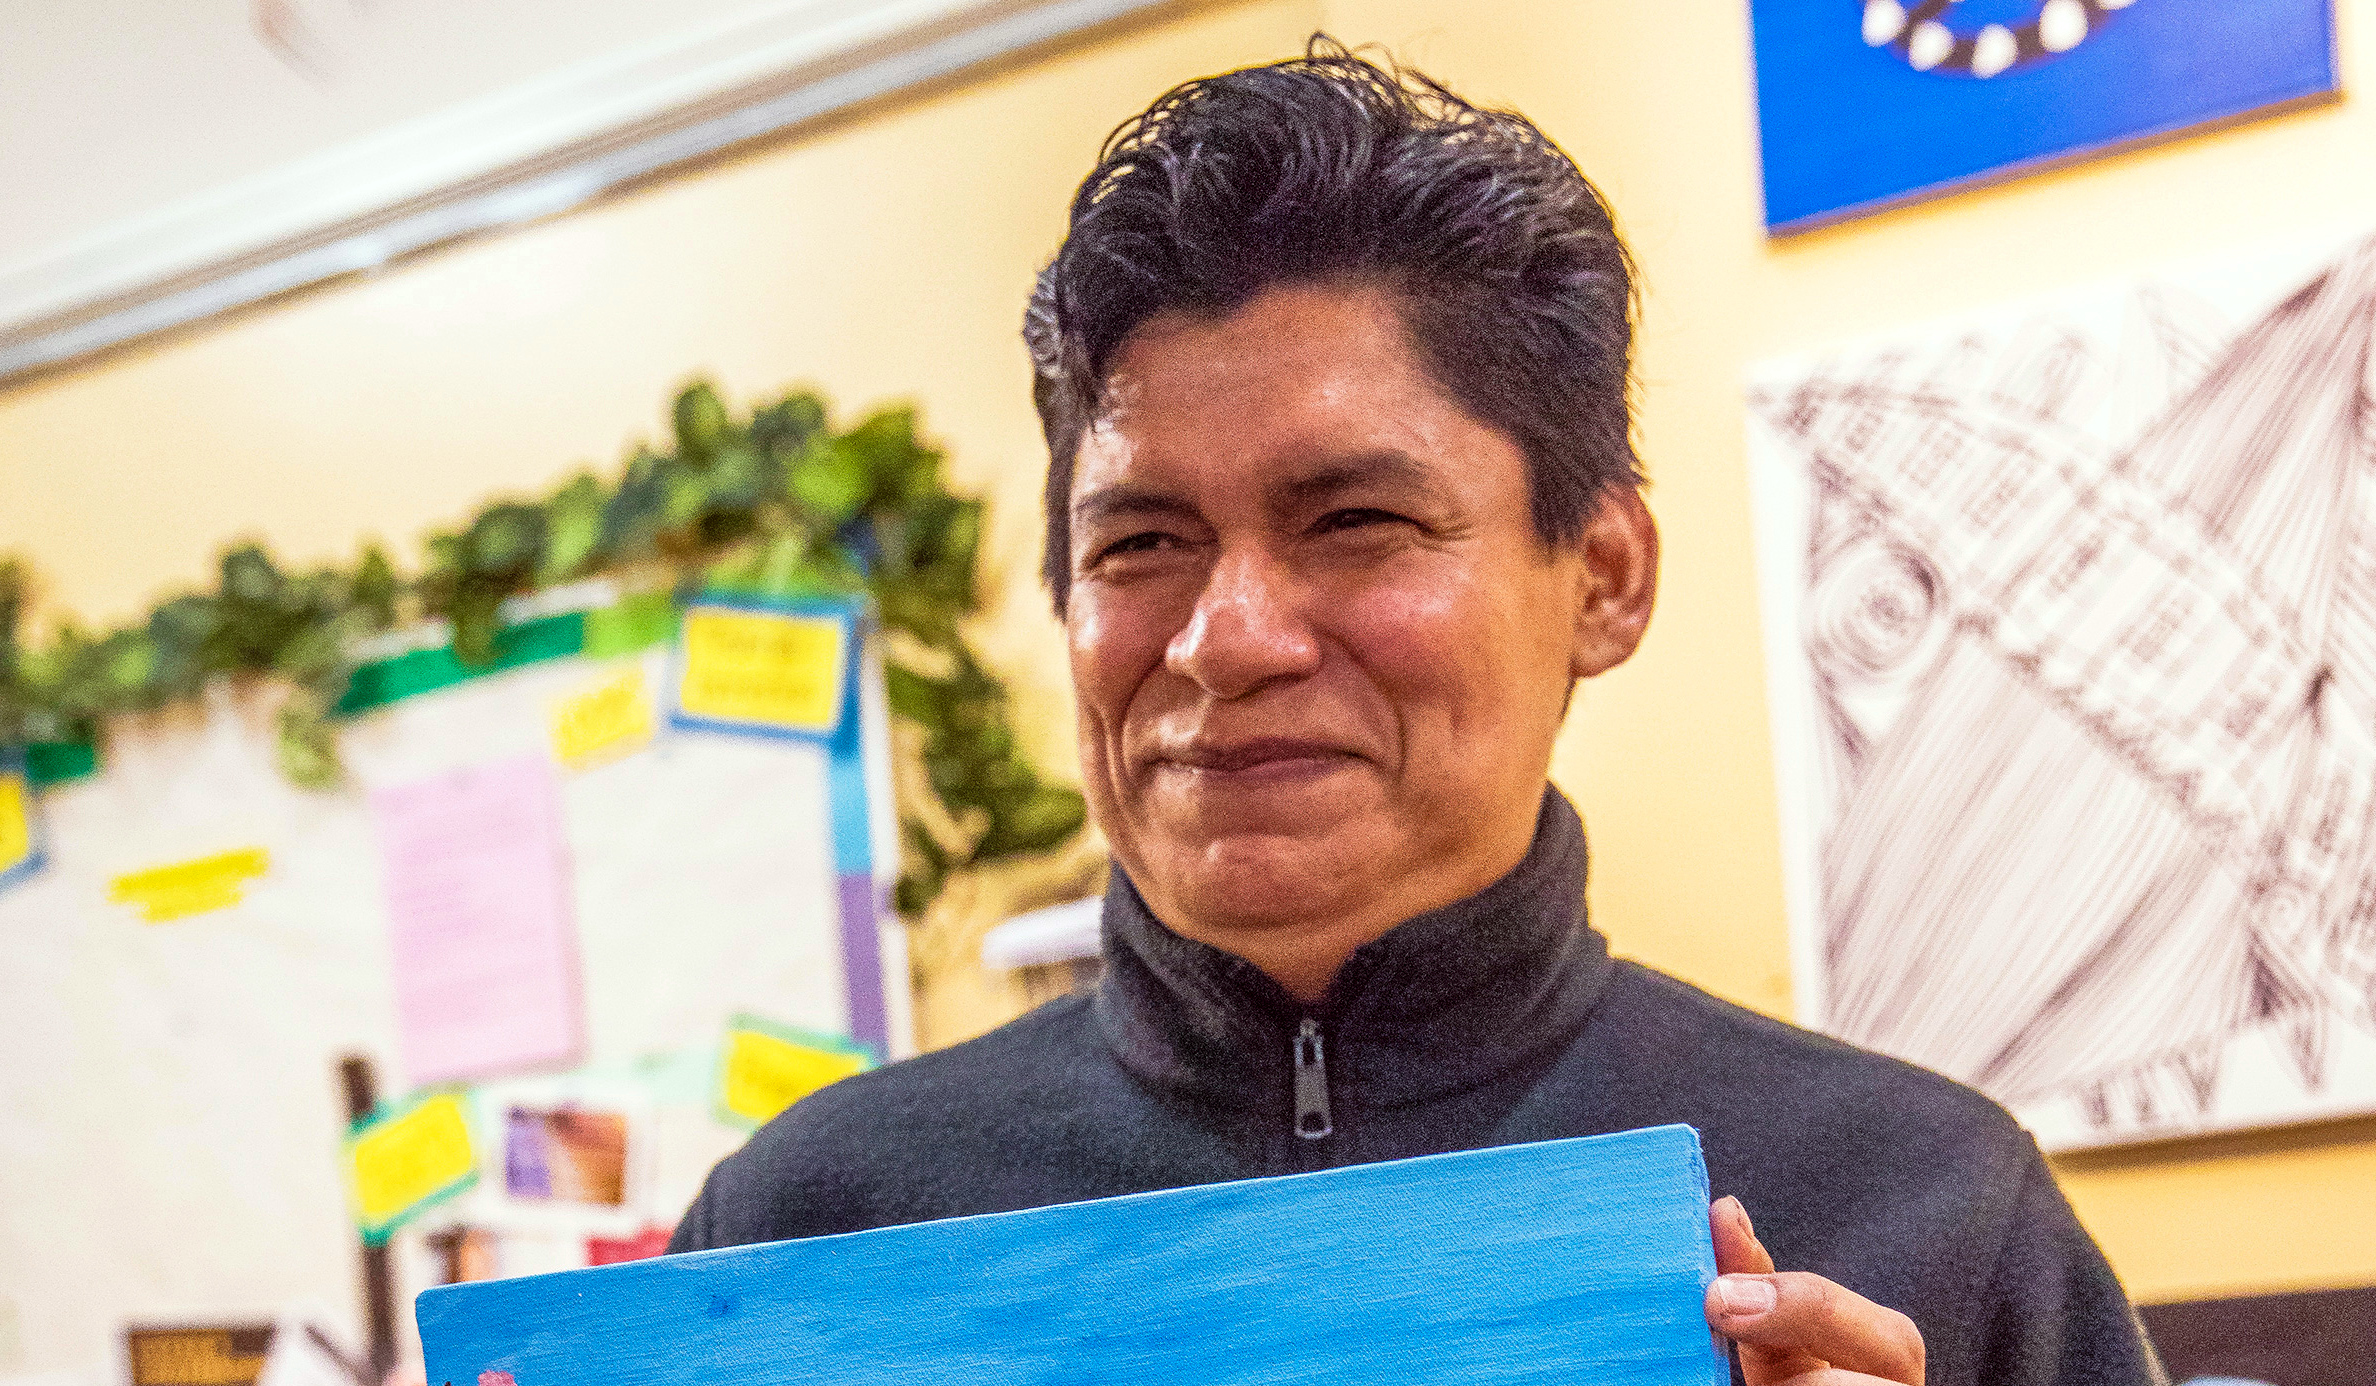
(1737, 1247)
(1793, 1322)
(1830, 1376)
(1735, 1303)
(1738, 1293)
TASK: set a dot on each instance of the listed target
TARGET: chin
(1257, 878)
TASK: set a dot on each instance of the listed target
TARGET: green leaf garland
(775, 505)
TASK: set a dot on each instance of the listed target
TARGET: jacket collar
(1441, 1003)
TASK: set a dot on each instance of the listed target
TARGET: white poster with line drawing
(2071, 630)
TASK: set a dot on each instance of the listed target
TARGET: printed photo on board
(568, 1155)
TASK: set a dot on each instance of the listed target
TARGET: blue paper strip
(1570, 1261)
(845, 786)
(17, 781)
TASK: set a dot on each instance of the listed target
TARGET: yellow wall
(1670, 756)
(882, 258)
(887, 257)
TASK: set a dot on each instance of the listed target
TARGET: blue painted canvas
(1864, 103)
(1578, 1260)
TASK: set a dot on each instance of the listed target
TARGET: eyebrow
(1388, 467)
(1124, 500)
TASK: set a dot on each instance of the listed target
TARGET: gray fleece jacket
(1495, 1020)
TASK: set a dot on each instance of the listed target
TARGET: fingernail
(1744, 1296)
(1741, 1213)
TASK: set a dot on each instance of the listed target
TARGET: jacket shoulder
(872, 1148)
(1678, 1043)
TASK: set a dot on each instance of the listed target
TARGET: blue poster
(1864, 103)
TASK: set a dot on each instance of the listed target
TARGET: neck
(1515, 961)
(1303, 961)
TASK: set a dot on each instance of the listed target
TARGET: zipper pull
(1311, 1083)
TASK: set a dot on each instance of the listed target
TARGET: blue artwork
(1862, 103)
(1575, 1260)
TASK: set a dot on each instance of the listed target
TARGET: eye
(1146, 541)
(1359, 517)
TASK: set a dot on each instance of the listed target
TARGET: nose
(1247, 630)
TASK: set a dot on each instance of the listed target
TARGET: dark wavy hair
(1518, 295)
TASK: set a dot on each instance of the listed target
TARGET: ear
(1619, 581)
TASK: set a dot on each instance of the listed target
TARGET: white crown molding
(525, 153)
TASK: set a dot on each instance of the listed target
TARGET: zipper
(1311, 1083)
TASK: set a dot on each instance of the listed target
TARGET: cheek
(1455, 655)
(1114, 645)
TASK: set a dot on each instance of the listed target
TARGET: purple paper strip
(862, 964)
(527, 1165)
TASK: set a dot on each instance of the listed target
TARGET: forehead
(1299, 376)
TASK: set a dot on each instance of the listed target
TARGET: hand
(1796, 1329)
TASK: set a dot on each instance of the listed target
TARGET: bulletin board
(203, 941)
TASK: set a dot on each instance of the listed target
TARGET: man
(1341, 504)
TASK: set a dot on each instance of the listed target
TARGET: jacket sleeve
(2057, 1314)
(693, 1229)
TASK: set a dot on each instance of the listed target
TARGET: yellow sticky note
(764, 669)
(198, 1356)
(191, 887)
(607, 720)
(768, 1068)
(16, 823)
(406, 1161)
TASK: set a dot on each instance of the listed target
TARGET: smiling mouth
(1265, 758)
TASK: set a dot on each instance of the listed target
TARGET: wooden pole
(379, 1275)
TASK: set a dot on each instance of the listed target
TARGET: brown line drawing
(2100, 719)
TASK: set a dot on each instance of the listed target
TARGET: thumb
(1736, 1298)
(1738, 1252)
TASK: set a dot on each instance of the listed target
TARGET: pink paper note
(480, 921)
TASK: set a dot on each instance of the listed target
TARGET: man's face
(1320, 651)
